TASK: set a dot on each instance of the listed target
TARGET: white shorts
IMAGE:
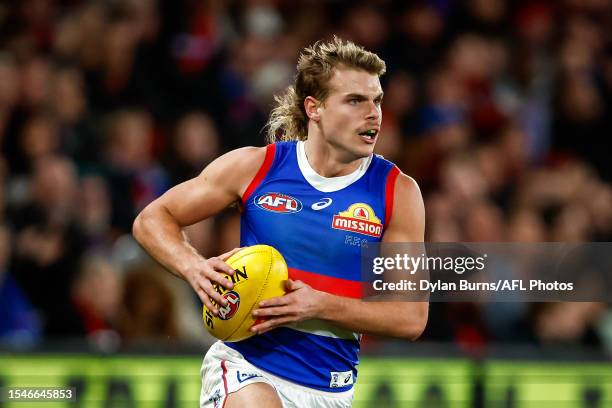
(225, 370)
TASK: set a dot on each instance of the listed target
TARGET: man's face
(352, 108)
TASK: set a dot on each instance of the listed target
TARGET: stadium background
(499, 109)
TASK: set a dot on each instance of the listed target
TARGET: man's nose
(373, 110)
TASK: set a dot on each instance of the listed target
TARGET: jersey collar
(328, 184)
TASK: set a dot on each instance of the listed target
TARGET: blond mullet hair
(315, 67)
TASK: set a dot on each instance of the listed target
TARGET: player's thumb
(224, 257)
(291, 285)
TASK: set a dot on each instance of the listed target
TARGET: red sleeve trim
(389, 194)
(261, 173)
(224, 382)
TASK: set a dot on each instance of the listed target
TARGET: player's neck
(328, 161)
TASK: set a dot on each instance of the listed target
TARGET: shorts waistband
(327, 394)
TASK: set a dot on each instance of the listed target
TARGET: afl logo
(279, 203)
(233, 301)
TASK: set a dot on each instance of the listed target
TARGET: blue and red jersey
(319, 225)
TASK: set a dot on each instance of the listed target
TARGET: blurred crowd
(499, 109)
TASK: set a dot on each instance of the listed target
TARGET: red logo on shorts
(233, 301)
(278, 202)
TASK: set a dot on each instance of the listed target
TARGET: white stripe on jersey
(322, 328)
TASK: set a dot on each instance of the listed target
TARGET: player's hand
(301, 302)
(205, 274)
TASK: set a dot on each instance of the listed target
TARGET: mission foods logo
(359, 218)
(278, 202)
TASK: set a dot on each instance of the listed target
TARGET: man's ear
(312, 107)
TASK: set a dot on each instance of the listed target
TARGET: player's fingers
(272, 311)
(220, 266)
(276, 301)
(211, 292)
(221, 280)
(215, 276)
(226, 255)
(207, 302)
(271, 324)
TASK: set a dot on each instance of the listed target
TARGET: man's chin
(355, 155)
(364, 150)
(358, 150)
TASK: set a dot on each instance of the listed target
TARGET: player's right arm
(158, 228)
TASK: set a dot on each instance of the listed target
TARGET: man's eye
(354, 101)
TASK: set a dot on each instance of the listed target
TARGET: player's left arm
(398, 319)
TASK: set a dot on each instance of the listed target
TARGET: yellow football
(260, 273)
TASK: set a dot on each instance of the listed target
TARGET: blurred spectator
(94, 216)
(416, 40)
(484, 223)
(133, 174)
(9, 93)
(148, 312)
(39, 138)
(19, 322)
(195, 143)
(96, 295)
(365, 24)
(112, 82)
(597, 198)
(400, 102)
(567, 323)
(35, 82)
(49, 244)
(77, 134)
(526, 225)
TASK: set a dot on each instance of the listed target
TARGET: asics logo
(323, 203)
